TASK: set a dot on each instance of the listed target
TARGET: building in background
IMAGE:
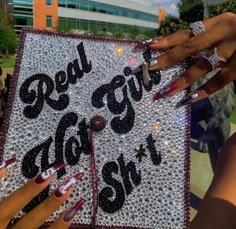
(80, 15)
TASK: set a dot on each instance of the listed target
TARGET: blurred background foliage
(8, 37)
(191, 11)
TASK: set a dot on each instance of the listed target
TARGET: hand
(219, 36)
(217, 209)
(12, 204)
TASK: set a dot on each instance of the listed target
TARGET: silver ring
(197, 27)
(214, 59)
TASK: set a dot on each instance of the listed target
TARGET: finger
(182, 36)
(12, 204)
(217, 209)
(215, 84)
(2, 173)
(40, 214)
(5, 164)
(194, 73)
(198, 43)
(220, 80)
(199, 70)
(36, 217)
(172, 40)
(67, 218)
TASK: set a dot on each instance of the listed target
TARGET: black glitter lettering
(124, 125)
(61, 81)
(129, 171)
(99, 94)
(115, 106)
(31, 96)
(118, 124)
(87, 67)
(29, 168)
(46, 86)
(72, 156)
(67, 120)
(73, 151)
(106, 194)
(84, 137)
(155, 156)
(74, 72)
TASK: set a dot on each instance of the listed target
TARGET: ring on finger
(197, 27)
(214, 59)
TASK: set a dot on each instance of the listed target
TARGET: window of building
(20, 2)
(49, 21)
(83, 25)
(48, 2)
(71, 4)
(107, 9)
(62, 3)
(72, 24)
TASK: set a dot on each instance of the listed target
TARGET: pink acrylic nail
(4, 164)
(73, 210)
(48, 173)
(165, 91)
(143, 44)
(62, 189)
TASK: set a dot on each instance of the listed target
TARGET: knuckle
(187, 80)
(31, 188)
(55, 202)
(189, 44)
(187, 32)
(51, 203)
(228, 15)
(165, 59)
(232, 21)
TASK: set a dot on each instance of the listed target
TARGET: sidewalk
(201, 174)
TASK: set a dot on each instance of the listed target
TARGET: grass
(7, 61)
(233, 115)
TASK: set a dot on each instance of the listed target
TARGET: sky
(169, 5)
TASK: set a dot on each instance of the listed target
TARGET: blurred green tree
(191, 10)
(8, 37)
(227, 6)
(171, 25)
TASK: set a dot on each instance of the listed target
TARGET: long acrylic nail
(165, 91)
(62, 189)
(146, 76)
(143, 44)
(4, 164)
(137, 69)
(73, 210)
(48, 173)
(187, 100)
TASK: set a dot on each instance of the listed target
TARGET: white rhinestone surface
(158, 201)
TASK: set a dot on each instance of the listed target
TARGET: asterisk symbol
(140, 152)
